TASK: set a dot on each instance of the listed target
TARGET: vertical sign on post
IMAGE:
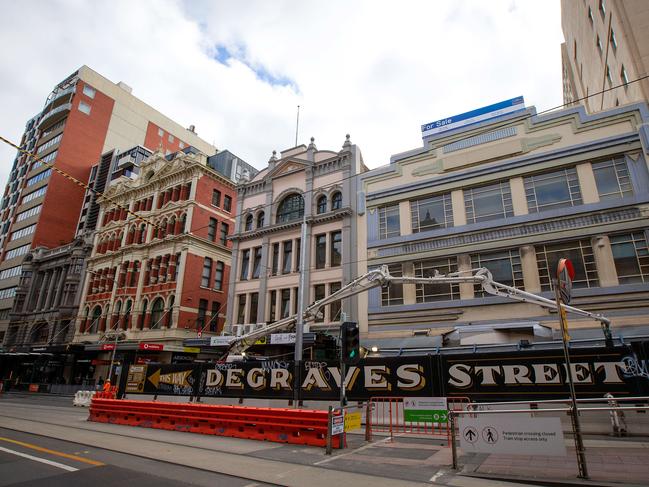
(562, 291)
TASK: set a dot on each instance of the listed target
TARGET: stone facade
(321, 187)
(512, 194)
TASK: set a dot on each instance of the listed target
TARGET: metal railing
(454, 415)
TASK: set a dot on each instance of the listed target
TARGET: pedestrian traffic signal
(350, 342)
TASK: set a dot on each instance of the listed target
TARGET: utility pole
(299, 327)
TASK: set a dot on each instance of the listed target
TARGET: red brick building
(162, 275)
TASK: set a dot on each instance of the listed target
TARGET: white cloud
(374, 69)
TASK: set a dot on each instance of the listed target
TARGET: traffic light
(350, 342)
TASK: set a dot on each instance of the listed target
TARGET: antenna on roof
(297, 124)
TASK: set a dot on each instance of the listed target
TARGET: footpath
(406, 461)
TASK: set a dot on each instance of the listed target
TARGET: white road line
(370, 445)
(437, 475)
(38, 459)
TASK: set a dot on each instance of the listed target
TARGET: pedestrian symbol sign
(490, 435)
(425, 410)
(470, 434)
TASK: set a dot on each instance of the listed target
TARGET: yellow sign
(352, 421)
(174, 378)
(191, 349)
(564, 318)
(261, 341)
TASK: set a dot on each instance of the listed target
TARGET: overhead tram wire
(52, 165)
(483, 131)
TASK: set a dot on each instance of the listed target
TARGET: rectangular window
(295, 300)
(11, 272)
(202, 313)
(241, 312)
(34, 194)
(612, 179)
(613, 40)
(216, 197)
(245, 263)
(393, 294)
(320, 251)
(39, 177)
(431, 213)
(256, 263)
(84, 107)
(227, 203)
(624, 76)
(211, 230)
(207, 272)
(608, 75)
(631, 257)
(598, 43)
(161, 132)
(319, 293)
(49, 143)
(335, 307)
(389, 221)
(273, 306)
(286, 303)
(214, 319)
(427, 293)
(171, 138)
(580, 254)
(505, 267)
(225, 228)
(28, 213)
(336, 248)
(218, 276)
(552, 190)
(298, 251)
(275, 265)
(287, 263)
(89, 91)
(48, 159)
(252, 312)
(23, 232)
(17, 252)
(8, 292)
(490, 202)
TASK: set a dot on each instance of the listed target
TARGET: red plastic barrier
(298, 426)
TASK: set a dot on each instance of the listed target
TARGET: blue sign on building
(474, 116)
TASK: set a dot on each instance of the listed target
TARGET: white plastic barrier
(83, 398)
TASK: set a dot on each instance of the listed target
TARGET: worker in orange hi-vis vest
(106, 386)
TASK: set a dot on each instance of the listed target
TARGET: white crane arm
(381, 277)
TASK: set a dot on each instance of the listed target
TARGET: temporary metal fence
(614, 409)
(386, 415)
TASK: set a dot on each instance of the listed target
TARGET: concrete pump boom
(381, 277)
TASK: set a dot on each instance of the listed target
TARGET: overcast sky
(237, 70)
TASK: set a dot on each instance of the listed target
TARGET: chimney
(192, 129)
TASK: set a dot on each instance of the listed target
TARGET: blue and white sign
(474, 116)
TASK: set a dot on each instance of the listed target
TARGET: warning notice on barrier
(135, 379)
(338, 424)
(425, 409)
(511, 434)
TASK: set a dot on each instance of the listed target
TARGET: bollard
(329, 425)
(368, 421)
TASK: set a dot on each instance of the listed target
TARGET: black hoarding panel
(162, 379)
(537, 375)
(262, 380)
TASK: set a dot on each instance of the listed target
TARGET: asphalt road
(31, 460)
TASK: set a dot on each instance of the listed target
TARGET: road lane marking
(342, 455)
(38, 459)
(53, 452)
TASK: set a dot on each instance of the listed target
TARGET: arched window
(118, 308)
(142, 233)
(170, 311)
(248, 226)
(143, 315)
(260, 219)
(322, 204)
(96, 316)
(290, 209)
(162, 228)
(157, 310)
(337, 201)
(127, 314)
(183, 222)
